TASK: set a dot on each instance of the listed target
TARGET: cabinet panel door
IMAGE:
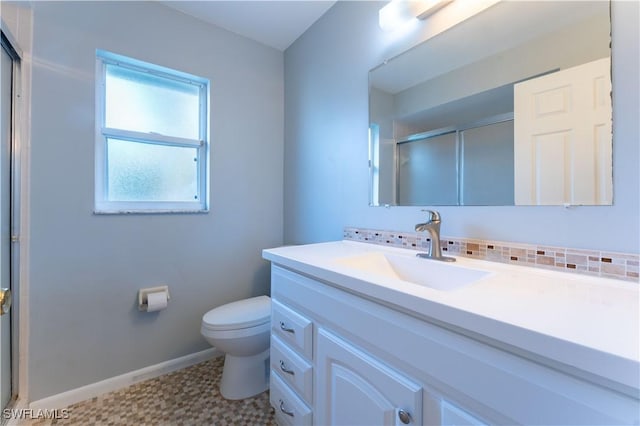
(354, 388)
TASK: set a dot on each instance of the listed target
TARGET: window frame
(102, 205)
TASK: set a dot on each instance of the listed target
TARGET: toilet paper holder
(143, 295)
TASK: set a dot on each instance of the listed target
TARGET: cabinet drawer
(290, 410)
(294, 370)
(292, 328)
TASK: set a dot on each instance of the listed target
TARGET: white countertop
(587, 324)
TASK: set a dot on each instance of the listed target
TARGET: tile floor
(187, 397)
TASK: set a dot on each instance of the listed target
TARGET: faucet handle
(433, 215)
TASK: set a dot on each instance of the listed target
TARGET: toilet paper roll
(156, 301)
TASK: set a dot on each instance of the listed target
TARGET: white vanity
(364, 334)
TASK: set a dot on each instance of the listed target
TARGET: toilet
(241, 330)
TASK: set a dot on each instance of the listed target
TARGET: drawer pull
(288, 413)
(284, 368)
(283, 327)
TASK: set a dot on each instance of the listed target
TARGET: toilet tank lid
(241, 314)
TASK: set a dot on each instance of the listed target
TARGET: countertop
(588, 326)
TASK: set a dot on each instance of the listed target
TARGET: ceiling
(274, 23)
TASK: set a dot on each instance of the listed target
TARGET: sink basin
(430, 273)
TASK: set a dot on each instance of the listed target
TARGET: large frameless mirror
(512, 106)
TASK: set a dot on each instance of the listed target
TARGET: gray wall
(326, 143)
(85, 269)
(577, 44)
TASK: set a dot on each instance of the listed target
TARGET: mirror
(512, 106)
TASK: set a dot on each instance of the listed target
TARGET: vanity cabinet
(358, 360)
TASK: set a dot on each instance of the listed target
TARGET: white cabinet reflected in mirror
(512, 106)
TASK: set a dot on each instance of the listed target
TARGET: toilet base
(245, 376)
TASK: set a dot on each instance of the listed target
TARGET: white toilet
(241, 330)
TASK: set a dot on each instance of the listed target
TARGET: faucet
(432, 226)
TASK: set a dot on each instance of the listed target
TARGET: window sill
(145, 212)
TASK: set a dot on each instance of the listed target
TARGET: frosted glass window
(147, 172)
(152, 148)
(144, 102)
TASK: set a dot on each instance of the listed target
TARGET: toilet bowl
(241, 330)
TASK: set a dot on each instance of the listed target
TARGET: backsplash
(591, 262)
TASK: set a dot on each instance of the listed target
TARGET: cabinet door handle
(404, 417)
(283, 327)
(288, 413)
(284, 368)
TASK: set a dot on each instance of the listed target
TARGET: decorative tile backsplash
(591, 262)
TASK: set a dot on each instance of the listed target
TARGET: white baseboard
(72, 396)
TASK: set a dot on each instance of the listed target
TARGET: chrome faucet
(432, 226)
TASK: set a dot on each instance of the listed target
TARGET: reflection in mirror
(512, 106)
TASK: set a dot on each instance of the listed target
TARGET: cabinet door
(353, 388)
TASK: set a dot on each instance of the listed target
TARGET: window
(151, 138)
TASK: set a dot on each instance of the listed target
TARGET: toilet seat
(242, 314)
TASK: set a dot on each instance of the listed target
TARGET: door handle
(5, 300)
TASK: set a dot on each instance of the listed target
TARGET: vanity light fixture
(399, 12)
